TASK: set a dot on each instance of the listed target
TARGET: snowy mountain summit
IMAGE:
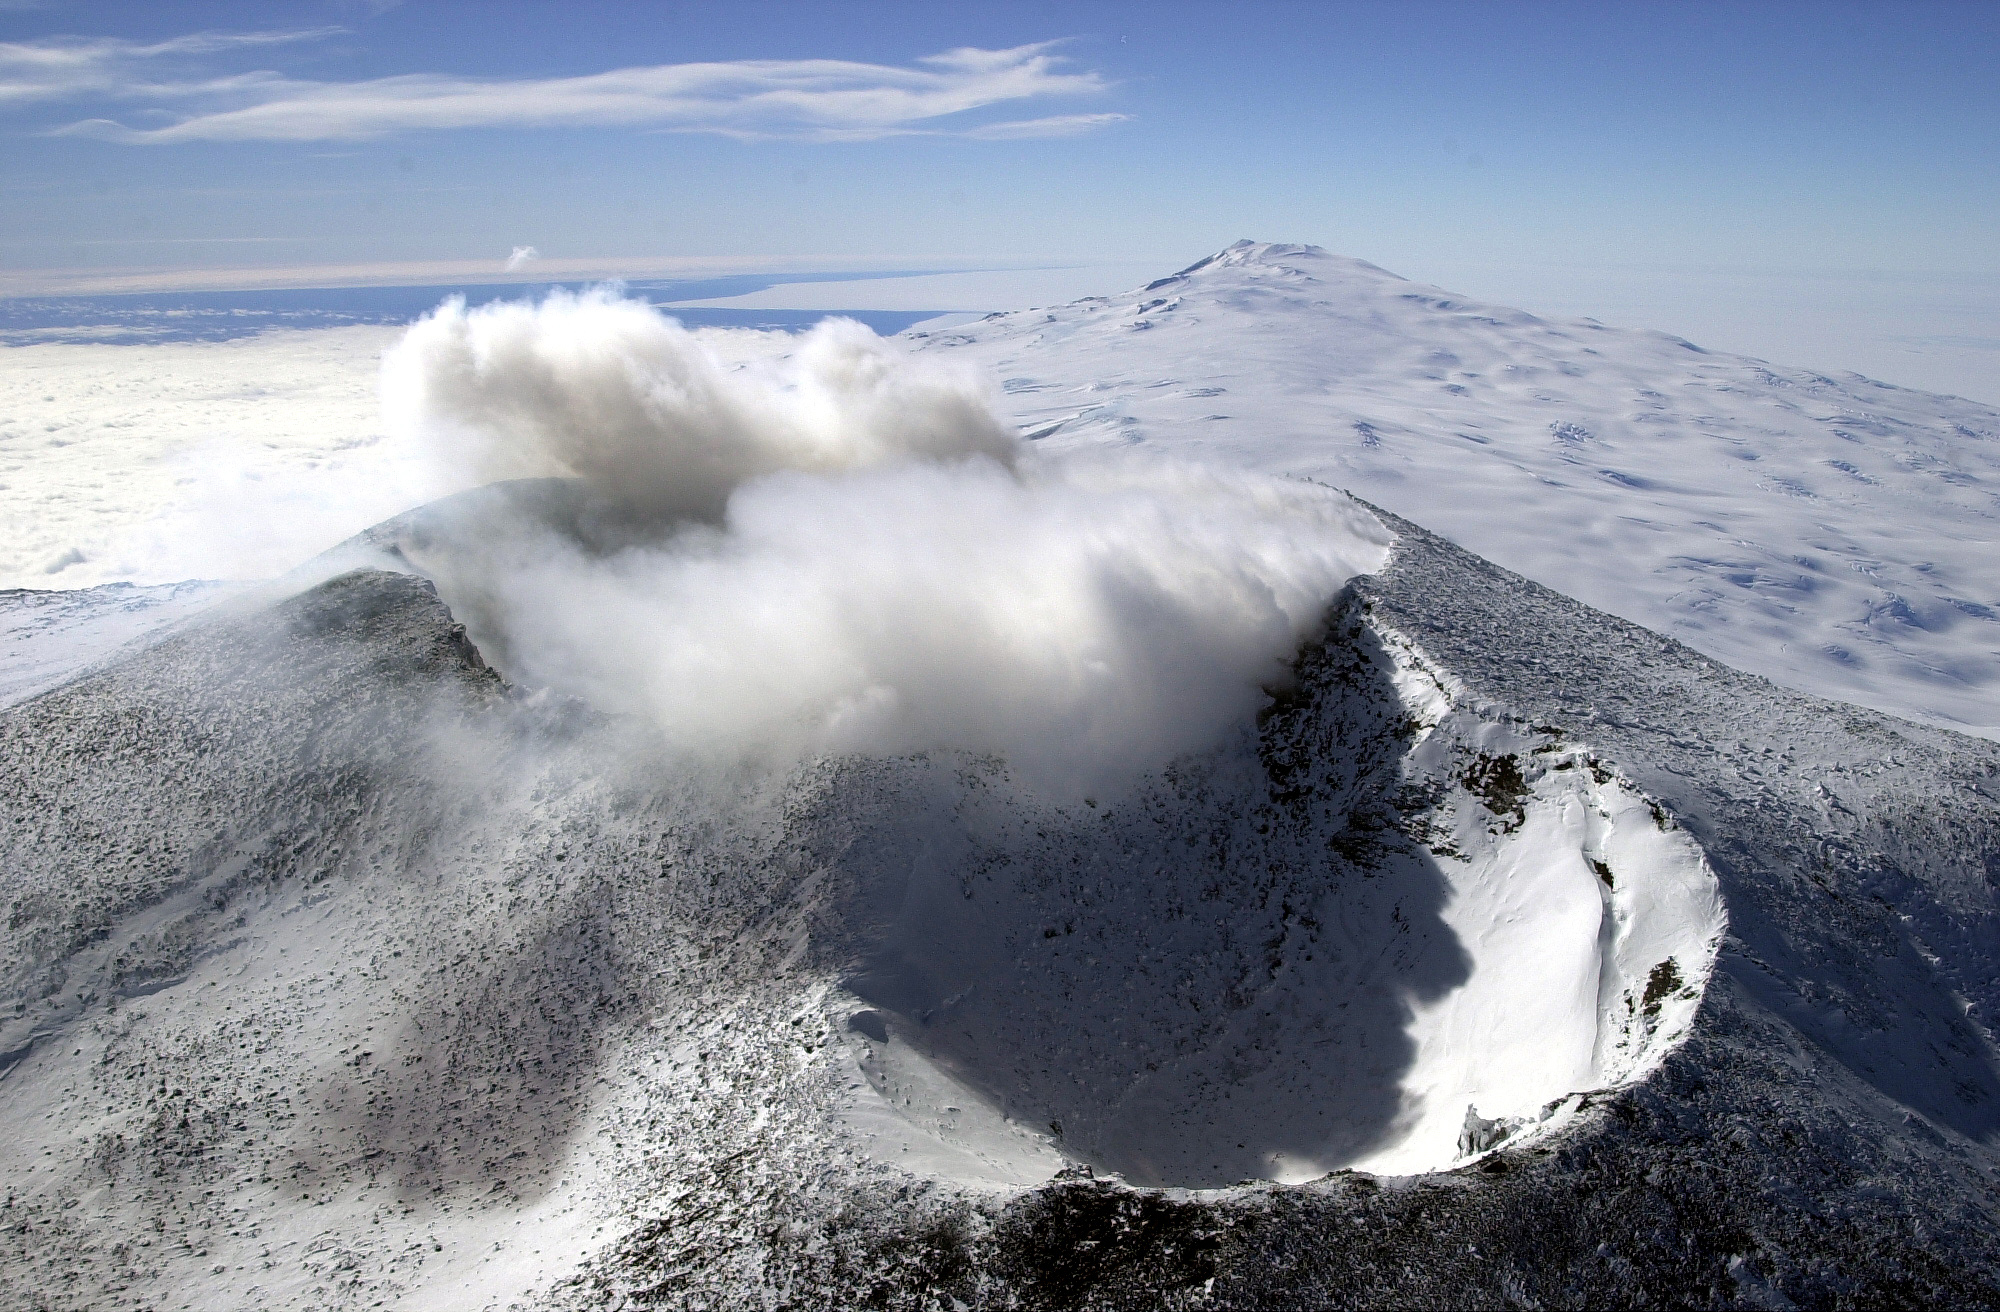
(606, 888)
(1835, 534)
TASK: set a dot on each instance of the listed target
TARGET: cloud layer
(61, 68)
(852, 555)
(800, 99)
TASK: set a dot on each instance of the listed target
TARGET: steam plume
(854, 555)
(613, 392)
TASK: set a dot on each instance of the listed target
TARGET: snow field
(1592, 927)
(48, 636)
(1833, 534)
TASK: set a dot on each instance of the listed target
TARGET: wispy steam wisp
(851, 553)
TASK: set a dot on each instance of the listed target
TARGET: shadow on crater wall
(1207, 981)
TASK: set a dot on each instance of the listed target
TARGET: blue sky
(1808, 137)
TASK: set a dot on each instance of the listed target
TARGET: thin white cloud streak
(1062, 125)
(62, 68)
(798, 99)
(406, 273)
(521, 257)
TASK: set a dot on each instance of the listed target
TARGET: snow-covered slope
(1407, 923)
(268, 958)
(48, 637)
(1835, 534)
(341, 975)
(1482, 947)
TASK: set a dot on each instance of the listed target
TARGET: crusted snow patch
(914, 1114)
(1591, 921)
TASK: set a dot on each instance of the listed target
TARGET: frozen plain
(732, 991)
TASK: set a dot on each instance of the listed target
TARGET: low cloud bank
(849, 552)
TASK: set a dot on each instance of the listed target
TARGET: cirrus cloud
(65, 68)
(791, 99)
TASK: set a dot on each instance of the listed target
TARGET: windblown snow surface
(796, 844)
(47, 637)
(1836, 534)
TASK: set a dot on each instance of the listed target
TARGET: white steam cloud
(612, 392)
(851, 553)
(522, 256)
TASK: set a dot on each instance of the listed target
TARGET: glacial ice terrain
(1831, 533)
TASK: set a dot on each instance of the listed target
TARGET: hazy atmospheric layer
(159, 463)
(196, 459)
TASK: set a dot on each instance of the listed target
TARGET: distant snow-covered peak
(1828, 531)
(1306, 262)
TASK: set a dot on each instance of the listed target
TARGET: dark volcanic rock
(331, 958)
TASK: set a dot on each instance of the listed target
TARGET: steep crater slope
(1382, 929)
(1824, 1137)
(1390, 931)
